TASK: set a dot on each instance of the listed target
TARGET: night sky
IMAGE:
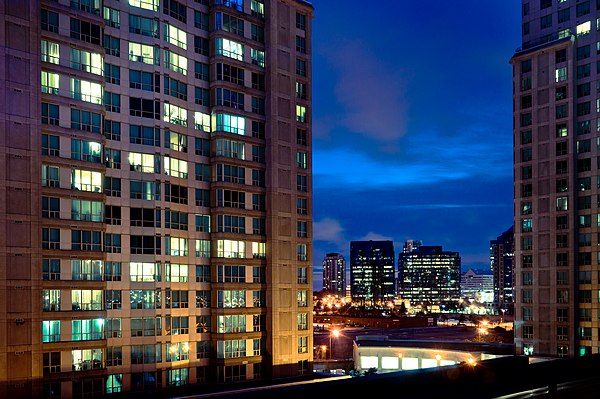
(412, 124)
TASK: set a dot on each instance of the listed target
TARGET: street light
(336, 334)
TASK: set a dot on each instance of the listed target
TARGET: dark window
(175, 10)
(85, 31)
(49, 21)
(583, 8)
(201, 45)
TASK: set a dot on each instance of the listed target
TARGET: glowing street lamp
(334, 333)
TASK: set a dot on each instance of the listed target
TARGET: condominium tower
(372, 275)
(430, 276)
(334, 274)
(502, 266)
(556, 166)
(155, 194)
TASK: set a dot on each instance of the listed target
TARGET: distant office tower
(502, 265)
(430, 275)
(478, 286)
(409, 246)
(155, 194)
(372, 275)
(556, 176)
(334, 274)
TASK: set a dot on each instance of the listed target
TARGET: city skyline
(377, 122)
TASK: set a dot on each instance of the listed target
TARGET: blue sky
(412, 124)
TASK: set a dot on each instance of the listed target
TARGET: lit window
(175, 114)
(147, 163)
(50, 52)
(86, 180)
(201, 121)
(231, 249)
(584, 28)
(176, 36)
(258, 57)
(86, 91)
(51, 331)
(259, 250)
(561, 74)
(176, 167)
(229, 123)
(300, 113)
(144, 53)
(145, 4)
(86, 61)
(229, 48)
(50, 82)
(144, 272)
(176, 62)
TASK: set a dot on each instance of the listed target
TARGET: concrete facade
(556, 171)
(170, 240)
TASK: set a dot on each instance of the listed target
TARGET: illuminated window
(301, 160)
(144, 53)
(86, 180)
(229, 48)
(229, 123)
(86, 61)
(258, 57)
(231, 299)
(257, 8)
(87, 330)
(367, 362)
(147, 163)
(300, 113)
(584, 28)
(176, 273)
(82, 150)
(560, 74)
(86, 91)
(112, 17)
(176, 62)
(51, 331)
(175, 115)
(176, 141)
(176, 36)
(86, 359)
(259, 250)
(50, 82)
(203, 248)
(231, 249)
(390, 362)
(144, 272)
(50, 52)
(201, 121)
(86, 299)
(176, 167)
(145, 4)
(176, 246)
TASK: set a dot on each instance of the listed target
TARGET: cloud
(328, 230)
(372, 236)
(368, 91)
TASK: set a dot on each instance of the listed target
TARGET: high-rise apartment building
(155, 194)
(430, 276)
(334, 274)
(372, 272)
(502, 265)
(556, 178)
